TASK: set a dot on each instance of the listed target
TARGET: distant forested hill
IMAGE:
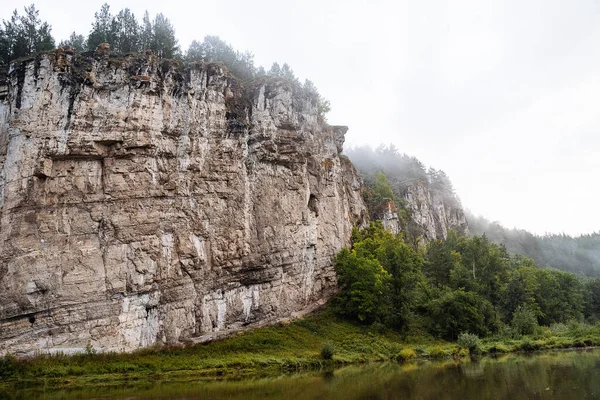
(580, 255)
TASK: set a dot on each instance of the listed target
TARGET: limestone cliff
(425, 205)
(434, 212)
(431, 213)
(142, 202)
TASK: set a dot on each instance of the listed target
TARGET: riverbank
(292, 347)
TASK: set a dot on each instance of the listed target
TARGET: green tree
(24, 35)
(163, 37)
(524, 320)
(275, 70)
(382, 187)
(592, 298)
(104, 28)
(520, 291)
(75, 41)
(127, 32)
(195, 52)
(213, 49)
(458, 311)
(440, 260)
(559, 295)
(146, 34)
(364, 287)
(404, 265)
(487, 263)
(288, 73)
(5, 51)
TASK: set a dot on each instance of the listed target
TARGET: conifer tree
(127, 38)
(103, 28)
(163, 38)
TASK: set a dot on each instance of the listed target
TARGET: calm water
(551, 375)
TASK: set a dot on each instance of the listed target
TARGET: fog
(502, 96)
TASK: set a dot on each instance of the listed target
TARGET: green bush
(89, 349)
(437, 352)
(7, 366)
(405, 355)
(327, 351)
(498, 349)
(529, 345)
(559, 328)
(524, 321)
(460, 352)
(469, 341)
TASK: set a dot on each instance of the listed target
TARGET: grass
(292, 347)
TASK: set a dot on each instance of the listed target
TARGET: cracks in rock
(20, 72)
(103, 237)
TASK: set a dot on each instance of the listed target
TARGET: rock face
(435, 211)
(432, 213)
(142, 203)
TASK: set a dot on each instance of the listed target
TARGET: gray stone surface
(432, 213)
(142, 202)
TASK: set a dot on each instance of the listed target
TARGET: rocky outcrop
(431, 213)
(142, 202)
(435, 212)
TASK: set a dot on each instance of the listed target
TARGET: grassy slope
(266, 351)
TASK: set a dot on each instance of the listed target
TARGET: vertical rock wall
(435, 212)
(142, 202)
(432, 213)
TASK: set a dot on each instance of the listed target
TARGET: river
(546, 375)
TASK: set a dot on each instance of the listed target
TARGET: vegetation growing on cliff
(24, 35)
(388, 175)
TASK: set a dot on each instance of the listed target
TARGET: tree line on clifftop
(26, 34)
(447, 287)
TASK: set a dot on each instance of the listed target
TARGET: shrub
(498, 349)
(546, 332)
(469, 341)
(7, 366)
(405, 355)
(508, 332)
(524, 321)
(558, 328)
(327, 351)
(528, 345)
(89, 349)
(438, 352)
(460, 352)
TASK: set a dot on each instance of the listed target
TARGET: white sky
(504, 96)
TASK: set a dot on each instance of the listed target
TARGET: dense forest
(457, 285)
(25, 34)
(493, 283)
(580, 255)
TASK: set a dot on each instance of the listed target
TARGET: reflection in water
(552, 375)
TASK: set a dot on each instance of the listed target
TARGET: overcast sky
(504, 96)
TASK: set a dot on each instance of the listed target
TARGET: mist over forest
(579, 255)
(402, 170)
